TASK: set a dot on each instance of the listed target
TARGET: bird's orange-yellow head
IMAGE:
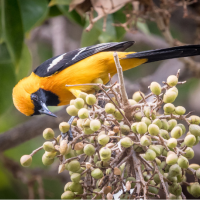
(29, 98)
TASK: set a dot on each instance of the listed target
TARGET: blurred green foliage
(17, 19)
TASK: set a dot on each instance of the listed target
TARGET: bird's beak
(45, 110)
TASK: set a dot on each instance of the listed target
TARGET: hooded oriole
(46, 84)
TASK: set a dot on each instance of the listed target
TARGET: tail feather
(168, 53)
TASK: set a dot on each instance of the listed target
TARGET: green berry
(95, 125)
(105, 153)
(189, 140)
(183, 162)
(165, 124)
(91, 99)
(64, 127)
(176, 132)
(47, 161)
(141, 128)
(132, 102)
(89, 150)
(172, 80)
(72, 110)
(134, 127)
(138, 116)
(83, 113)
(157, 122)
(172, 143)
(172, 123)
(153, 129)
(171, 159)
(48, 146)
(26, 160)
(182, 127)
(155, 88)
(110, 108)
(103, 139)
(146, 120)
(126, 142)
(180, 110)
(68, 195)
(169, 108)
(164, 134)
(194, 119)
(97, 173)
(118, 115)
(189, 153)
(75, 177)
(137, 97)
(79, 103)
(150, 155)
(48, 134)
(125, 129)
(194, 129)
(145, 140)
(83, 96)
(73, 166)
(175, 170)
(169, 97)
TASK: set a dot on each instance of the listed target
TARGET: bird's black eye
(34, 97)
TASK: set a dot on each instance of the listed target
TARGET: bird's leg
(101, 103)
(69, 133)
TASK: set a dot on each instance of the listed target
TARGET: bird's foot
(68, 133)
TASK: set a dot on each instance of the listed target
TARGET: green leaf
(54, 11)
(32, 12)
(72, 16)
(143, 27)
(91, 37)
(12, 28)
(7, 79)
(24, 65)
(60, 2)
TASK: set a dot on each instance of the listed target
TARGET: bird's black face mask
(39, 99)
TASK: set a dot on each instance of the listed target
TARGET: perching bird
(46, 84)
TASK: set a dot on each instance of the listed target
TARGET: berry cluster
(135, 148)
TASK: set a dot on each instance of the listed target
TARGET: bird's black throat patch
(48, 97)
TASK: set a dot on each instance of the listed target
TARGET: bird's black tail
(168, 53)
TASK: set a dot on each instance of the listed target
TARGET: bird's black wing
(58, 63)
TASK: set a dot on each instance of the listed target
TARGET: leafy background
(22, 48)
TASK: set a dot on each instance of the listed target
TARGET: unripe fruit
(72, 110)
(165, 124)
(189, 140)
(183, 162)
(72, 102)
(138, 116)
(172, 123)
(175, 189)
(157, 122)
(164, 134)
(155, 88)
(88, 131)
(79, 103)
(175, 170)
(149, 113)
(194, 129)
(195, 190)
(137, 97)
(172, 143)
(95, 125)
(109, 108)
(125, 129)
(48, 146)
(89, 149)
(156, 149)
(97, 173)
(134, 127)
(169, 108)
(169, 97)
(26, 160)
(145, 140)
(50, 155)
(91, 99)
(174, 89)
(194, 119)
(83, 113)
(46, 161)
(79, 152)
(171, 159)
(180, 110)
(156, 178)
(105, 152)
(150, 155)
(83, 95)
(64, 127)
(63, 147)
(78, 146)
(103, 139)
(76, 187)
(97, 80)
(141, 128)
(182, 127)
(75, 177)
(68, 195)
(132, 102)
(194, 166)
(198, 173)
(118, 115)
(48, 134)
(153, 129)
(176, 132)
(126, 142)
(146, 120)
(171, 196)
(66, 188)
(172, 80)
(189, 153)
(73, 166)
(69, 153)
